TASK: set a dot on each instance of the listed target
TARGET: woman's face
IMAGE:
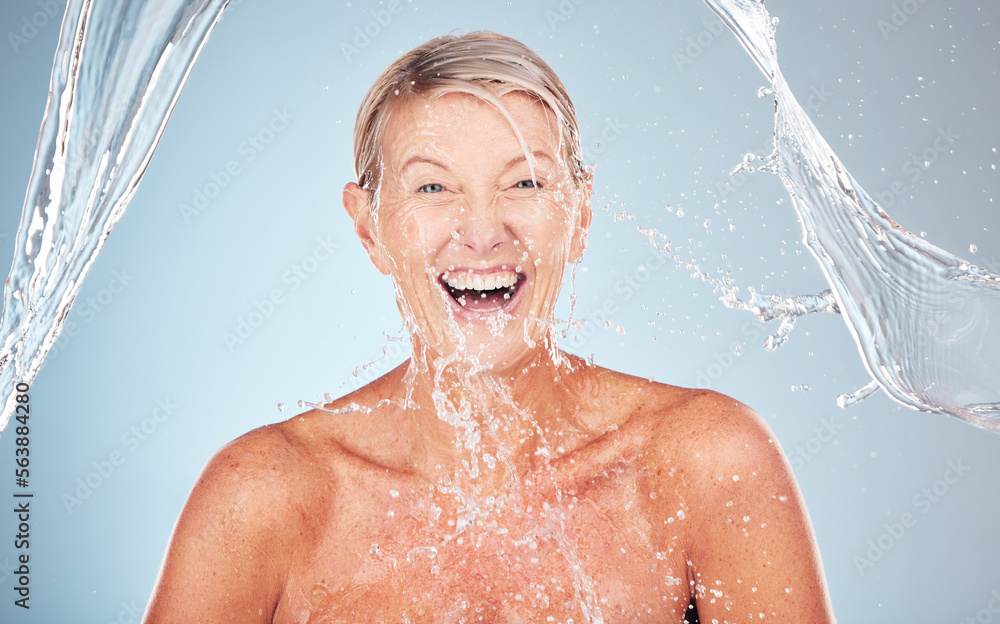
(474, 230)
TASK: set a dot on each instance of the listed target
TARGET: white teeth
(472, 281)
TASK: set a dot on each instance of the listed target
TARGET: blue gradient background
(679, 106)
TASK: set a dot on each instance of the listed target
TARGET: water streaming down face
(481, 220)
(764, 305)
(919, 315)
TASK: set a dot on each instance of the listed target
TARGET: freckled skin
(492, 478)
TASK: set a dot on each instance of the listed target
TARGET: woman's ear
(579, 242)
(357, 202)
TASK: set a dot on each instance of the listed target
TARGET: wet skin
(492, 478)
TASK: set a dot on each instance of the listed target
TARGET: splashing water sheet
(925, 320)
(118, 71)
(902, 286)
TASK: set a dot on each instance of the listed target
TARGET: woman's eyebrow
(413, 160)
(538, 155)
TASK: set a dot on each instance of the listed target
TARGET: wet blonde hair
(481, 63)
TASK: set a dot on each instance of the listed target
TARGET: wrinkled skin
(491, 477)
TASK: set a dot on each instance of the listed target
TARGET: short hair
(481, 63)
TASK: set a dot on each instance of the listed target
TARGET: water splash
(920, 315)
(119, 69)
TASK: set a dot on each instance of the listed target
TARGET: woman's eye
(434, 187)
(527, 184)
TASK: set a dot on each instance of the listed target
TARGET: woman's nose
(483, 230)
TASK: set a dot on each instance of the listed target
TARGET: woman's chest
(394, 553)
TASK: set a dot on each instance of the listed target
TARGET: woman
(491, 477)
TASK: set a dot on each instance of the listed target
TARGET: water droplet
(973, 248)
(428, 551)
(281, 407)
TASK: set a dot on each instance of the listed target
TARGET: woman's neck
(479, 426)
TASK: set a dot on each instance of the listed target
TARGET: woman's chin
(481, 348)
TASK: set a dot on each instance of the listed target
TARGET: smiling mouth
(482, 293)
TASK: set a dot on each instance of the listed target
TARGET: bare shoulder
(251, 492)
(254, 503)
(743, 513)
(716, 429)
(703, 433)
(225, 558)
(262, 481)
(257, 467)
(693, 419)
(717, 439)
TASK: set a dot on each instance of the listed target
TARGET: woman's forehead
(446, 121)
